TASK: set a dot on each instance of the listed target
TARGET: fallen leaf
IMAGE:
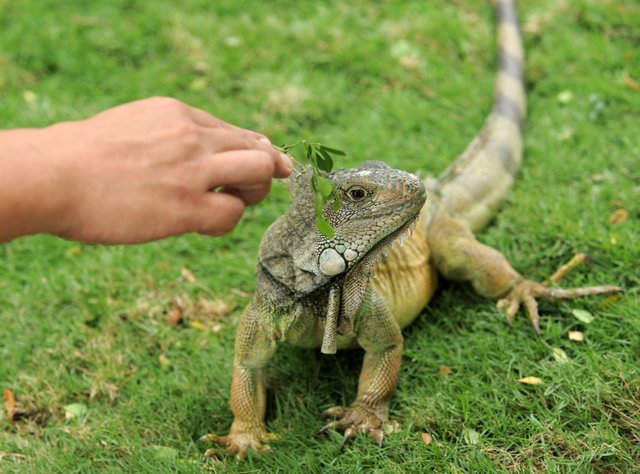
(609, 300)
(444, 370)
(576, 336)
(175, 315)
(470, 436)
(164, 362)
(565, 97)
(427, 438)
(582, 315)
(629, 81)
(563, 271)
(197, 325)
(75, 410)
(187, 275)
(618, 216)
(212, 309)
(531, 380)
(9, 403)
(73, 252)
(29, 97)
(560, 355)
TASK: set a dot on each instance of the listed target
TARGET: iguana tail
(473, 187)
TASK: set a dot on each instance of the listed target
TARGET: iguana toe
(354, 420)
(526, 293)
(239, 443)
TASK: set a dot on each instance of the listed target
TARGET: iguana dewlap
(343, 292)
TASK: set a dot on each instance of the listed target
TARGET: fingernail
(264, 140)
(286, 161)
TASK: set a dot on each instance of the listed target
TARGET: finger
(204, 119)
(250, 194)
(228, 140)
(238, 168)
(215, 214)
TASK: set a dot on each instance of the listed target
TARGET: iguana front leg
(459, 256)
(379, 335)
(256, 342)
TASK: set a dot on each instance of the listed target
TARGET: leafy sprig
(320, 157)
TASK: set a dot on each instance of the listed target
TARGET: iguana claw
(527, 291)
(239, 443)
(354, 420)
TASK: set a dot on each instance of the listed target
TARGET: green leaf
(334, 151)
(582, 315)
(324, 227)
(75, 411)
(560, 356)
(336, 204)
(470, 436)
(325, 163)
(325, 188)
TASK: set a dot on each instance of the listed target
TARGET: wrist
(33, 194)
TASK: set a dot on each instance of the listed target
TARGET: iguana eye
(357, 193)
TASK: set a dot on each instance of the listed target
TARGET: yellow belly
(406, 279)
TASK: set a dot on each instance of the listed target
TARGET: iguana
(336, 293)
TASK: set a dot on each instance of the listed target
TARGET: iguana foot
(354, 420)
(526, 292)
(240, 442)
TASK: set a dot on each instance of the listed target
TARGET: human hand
(150, 169)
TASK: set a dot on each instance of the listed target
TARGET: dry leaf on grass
(444, 370)
(9, 403)
(630, 82)
(576, 336)
(609, 300)
(174, 316)
(531, 380)
(187, 275)
(427, 438)
(618, 216)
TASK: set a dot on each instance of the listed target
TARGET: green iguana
(340, 292)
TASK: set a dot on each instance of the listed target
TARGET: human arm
(138, 172)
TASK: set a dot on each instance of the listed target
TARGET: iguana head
(377, 205)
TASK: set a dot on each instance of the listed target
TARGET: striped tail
(473, 187)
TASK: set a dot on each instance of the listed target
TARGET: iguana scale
(312, 291)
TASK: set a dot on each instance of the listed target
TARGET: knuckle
(187, 132)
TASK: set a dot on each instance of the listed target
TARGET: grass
(408, 82)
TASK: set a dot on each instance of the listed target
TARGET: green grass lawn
(404, 81)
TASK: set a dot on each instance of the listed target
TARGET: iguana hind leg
(459, 256)
(379, 335)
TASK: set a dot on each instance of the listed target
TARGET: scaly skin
(335, 294)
